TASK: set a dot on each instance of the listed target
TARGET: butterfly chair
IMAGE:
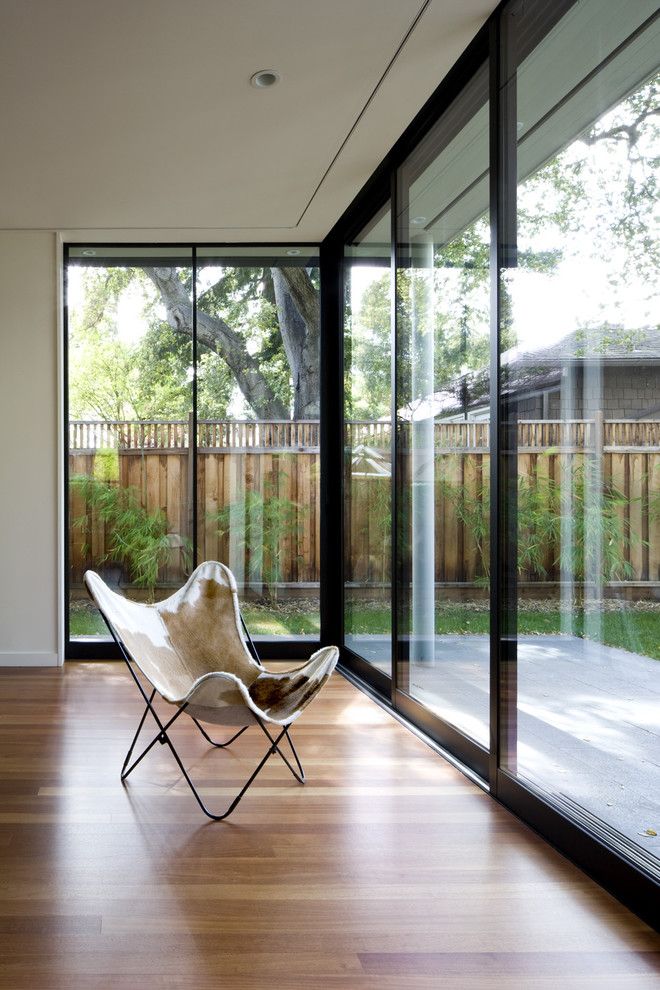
(193, 651)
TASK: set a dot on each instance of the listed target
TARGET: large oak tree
(295, 298)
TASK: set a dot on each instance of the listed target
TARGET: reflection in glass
(581, 377)
(442, 403)
(367, 443)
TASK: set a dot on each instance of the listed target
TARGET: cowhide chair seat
(193, 650)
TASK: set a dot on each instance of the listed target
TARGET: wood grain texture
(387, 870)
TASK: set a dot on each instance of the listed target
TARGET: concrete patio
(588, 718)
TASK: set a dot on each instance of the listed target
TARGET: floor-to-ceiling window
(193, 427)
(368, 442)
(514, 595)
(499, 467)
(130, 409)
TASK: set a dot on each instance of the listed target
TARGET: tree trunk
(297, 304)
(296, 300)
(213, 332)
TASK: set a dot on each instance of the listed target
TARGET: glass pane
(130, 404)
(367, 443)
(442, 347)
(258, 505)
(581, 376)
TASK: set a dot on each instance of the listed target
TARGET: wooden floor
(387, 870)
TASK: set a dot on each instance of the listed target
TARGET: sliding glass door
(258, 450)
(129, 432)
(502, 425)
(416, 500)
(442, 318)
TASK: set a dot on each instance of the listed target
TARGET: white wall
(28, 449)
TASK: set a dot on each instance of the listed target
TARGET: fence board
(620, 478)
(176, 511)
(654, 516)
(636, 496)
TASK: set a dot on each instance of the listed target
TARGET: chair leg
(137, 731)
(295, 754)
(212, 741)
(300, 777)
(258, 768)
(163, 737)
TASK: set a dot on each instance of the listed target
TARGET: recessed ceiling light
(88, 253)
(265, 78)
(418, 221)
(294, 251)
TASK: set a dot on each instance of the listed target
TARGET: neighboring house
(611, 370)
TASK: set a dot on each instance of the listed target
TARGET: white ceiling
(135, 118)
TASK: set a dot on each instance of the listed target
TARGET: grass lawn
(637, 630)
(84, 620)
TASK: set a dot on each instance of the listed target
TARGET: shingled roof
(607, 345)
(529, 371)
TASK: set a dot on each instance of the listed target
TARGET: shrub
(576, 524)
(137, 539)
(259, 522)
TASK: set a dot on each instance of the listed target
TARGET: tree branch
(213, 332)
(628, 132)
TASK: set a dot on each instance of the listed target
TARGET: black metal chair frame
(163, 738)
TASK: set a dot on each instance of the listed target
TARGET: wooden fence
(276, 464)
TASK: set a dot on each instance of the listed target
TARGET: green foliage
(603, 184)
(600, 514)
(137, 538)
(100, 375)
(472, 508)
(115, 377)
(106, 465)
(449, 301)
(367, 352)
(654, 498)
(259, 523)
(244, 298)
(577, 525)
(626, 629)
(590, 513)
(378, 527)
(139, 367)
